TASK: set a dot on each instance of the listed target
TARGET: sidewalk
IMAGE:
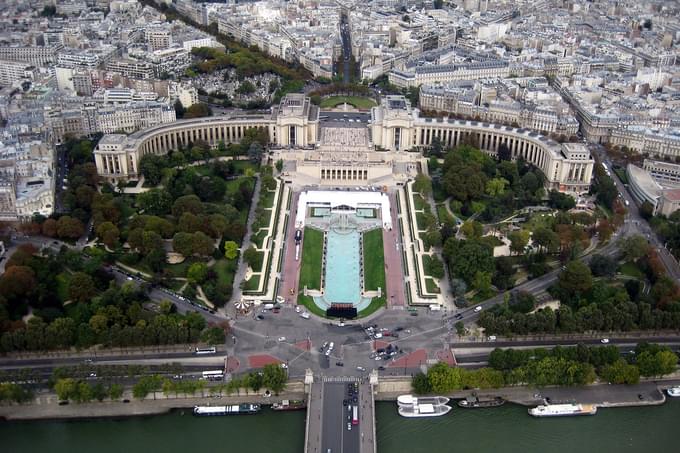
(46, 405)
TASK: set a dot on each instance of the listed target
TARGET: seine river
(504, 429)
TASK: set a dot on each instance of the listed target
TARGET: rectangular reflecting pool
(343, 268)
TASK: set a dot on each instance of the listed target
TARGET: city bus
(215, 375)
(355, 415)
(210, 350)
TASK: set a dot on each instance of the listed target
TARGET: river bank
(649, 393)
(46, 406)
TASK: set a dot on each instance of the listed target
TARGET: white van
(305, 315)
(435, 307)
(268, 306)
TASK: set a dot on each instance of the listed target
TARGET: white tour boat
(673, 391)
(429, 406)
(563, 410)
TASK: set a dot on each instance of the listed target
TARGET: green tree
(109, 234)
(81, 287)
(546, 239)
(602, 265)
(496, 187)
(253, 258)
(633, 247)
(274, 377)
(472, 229)
(230, 250)
(197, 273)
(620, 372)
(213, 335)
(197, 111)
(444, 379)
(421, 384)
(115, 391)
(66, 388)
(470, 258)
(576, 278)
(151, 167)
(182, 243)
(69, 227)
(482, 282)
(154, 202)
(203, 245)
(422, 185)
(518, 241)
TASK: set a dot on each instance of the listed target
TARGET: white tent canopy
(344, 199)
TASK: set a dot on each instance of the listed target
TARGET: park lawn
(374, 260)
(257, 265)
(252, 284)
(258, 238)
(266, 198)
(426, 265)
(225, 270)
(356, 101)
(420, 221)
(240, 166)
(63, 280)
(444, 216)
(375, 305)
(180, 269)
(312, 249)
(419, 203)
(431, 286)
(631, 270)
(308, 303)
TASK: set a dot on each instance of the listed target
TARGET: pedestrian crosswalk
(339, 379)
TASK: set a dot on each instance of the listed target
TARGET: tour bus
(215, 375)
(210, 350)
(355, 415)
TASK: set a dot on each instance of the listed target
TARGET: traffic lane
(333, 417)
(351, 436)
(102, 359)
(625, 342)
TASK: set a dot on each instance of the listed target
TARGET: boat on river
(673, 391)
(289, 405)
(234, 409)
(473, 402)
(428, 406)
(563, 410)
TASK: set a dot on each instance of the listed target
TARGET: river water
(504, 429)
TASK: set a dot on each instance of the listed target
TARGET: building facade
(568, 167)
(334, 154)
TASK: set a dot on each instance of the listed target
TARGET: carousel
(243, 306)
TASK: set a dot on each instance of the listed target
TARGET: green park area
(374, 260)
(312, 249)
(355, 101)
(183, 233)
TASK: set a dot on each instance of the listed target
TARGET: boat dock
(328, 418)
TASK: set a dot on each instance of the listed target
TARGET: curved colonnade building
(568, 167)
(293, 123)
(393, 127)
